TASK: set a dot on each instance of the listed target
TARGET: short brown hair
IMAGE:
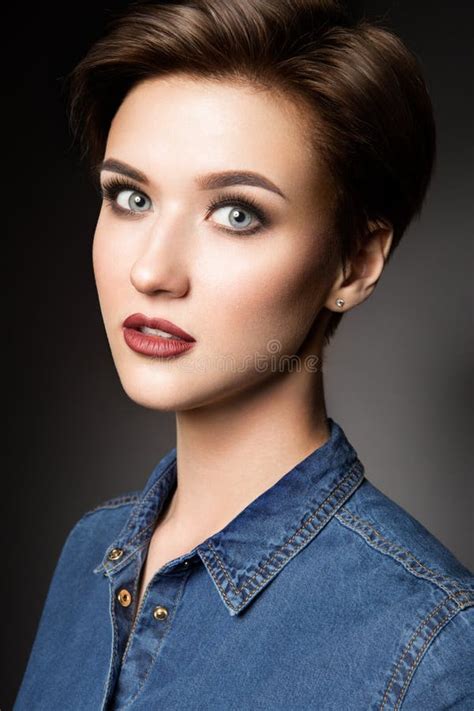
(359, 81)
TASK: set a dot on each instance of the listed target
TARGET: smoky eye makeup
(111, 188)
(242, 203)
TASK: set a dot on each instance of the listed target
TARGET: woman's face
(246, 299)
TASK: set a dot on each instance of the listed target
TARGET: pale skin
(238, 429)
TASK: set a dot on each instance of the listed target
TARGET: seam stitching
(460, 605)
(160, 642)
(158, 483)
(374, 538)
(115, 503)
(348, 478)
(132, 522)
(422, 650)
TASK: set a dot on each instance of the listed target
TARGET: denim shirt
(322, 594)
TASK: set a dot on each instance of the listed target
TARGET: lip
(136, 320)
(155, 346)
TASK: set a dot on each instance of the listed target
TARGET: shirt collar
(245, 556)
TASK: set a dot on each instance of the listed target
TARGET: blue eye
(114, 188)
(133, 201)
(237, 216)
(243, 214)
(240, 205)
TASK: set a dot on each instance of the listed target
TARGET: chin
(166, 393)
(178, 390)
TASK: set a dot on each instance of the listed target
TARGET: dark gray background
(398, 375)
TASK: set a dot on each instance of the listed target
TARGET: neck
(229, 453)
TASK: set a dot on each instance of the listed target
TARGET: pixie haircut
(359, 88)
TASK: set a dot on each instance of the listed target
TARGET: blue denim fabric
(321, 594)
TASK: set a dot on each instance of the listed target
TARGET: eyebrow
(211, 181)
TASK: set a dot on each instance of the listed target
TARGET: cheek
(111, 268)
(267, 296)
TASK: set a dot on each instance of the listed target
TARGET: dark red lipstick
(152, 344)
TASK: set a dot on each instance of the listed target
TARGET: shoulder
(115, 508)
(92, 533)
(441, 670)
(390, 530)
(128, 498)
(426, 594)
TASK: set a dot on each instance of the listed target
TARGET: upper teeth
(158, 332)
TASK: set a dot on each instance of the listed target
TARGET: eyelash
(111, 189)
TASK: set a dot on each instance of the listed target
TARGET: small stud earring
(340, 302)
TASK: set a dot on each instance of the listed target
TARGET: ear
(363, 270)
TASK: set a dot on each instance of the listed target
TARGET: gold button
(160, 613)
(124, 598)
(115, 554)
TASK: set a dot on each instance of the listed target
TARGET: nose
(162, 264)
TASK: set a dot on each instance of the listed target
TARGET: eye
(237, 216)
(133, 201)
(240, 212)
(124, 197)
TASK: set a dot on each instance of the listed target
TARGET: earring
(340, 302)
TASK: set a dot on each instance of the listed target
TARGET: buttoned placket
(138, 633)
(239, 566)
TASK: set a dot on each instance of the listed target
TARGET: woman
(259, 163)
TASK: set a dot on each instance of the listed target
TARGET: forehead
(212, 109)
(193, 125)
